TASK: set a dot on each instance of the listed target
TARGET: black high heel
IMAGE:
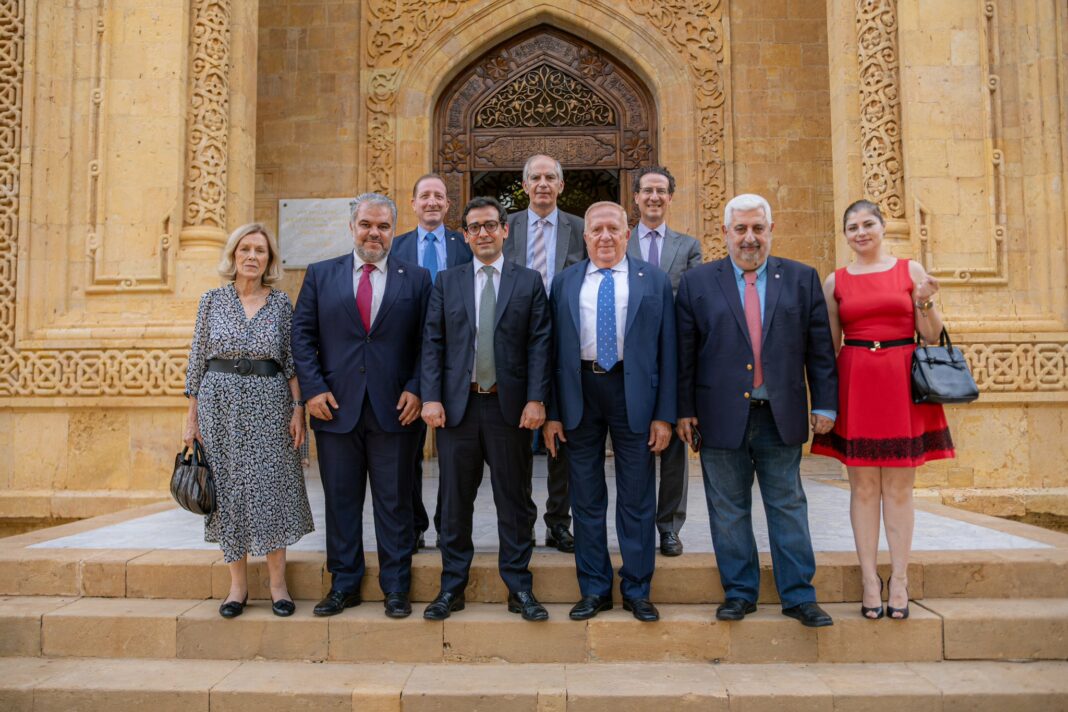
(877, 610)
(232, 609)
(897, 614)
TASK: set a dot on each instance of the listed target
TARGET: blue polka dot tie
(606, 321)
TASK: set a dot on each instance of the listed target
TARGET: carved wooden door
(544, 91)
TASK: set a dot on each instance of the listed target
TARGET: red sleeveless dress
(878, 425)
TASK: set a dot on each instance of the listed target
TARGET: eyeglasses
(491, 226)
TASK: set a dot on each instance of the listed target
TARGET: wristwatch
(925, 305)
(298, 404)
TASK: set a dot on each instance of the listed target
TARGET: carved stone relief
(544, 97)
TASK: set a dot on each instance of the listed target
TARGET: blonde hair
(227, 266)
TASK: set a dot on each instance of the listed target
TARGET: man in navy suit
(357, 333)
(752, 329)
(485, 381)
(547, 240)
(614, 365)
(433, 247)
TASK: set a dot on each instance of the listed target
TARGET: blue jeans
(728, 476)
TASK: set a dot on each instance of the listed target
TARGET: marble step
(690, 578)
(91, 685)
(961, 629)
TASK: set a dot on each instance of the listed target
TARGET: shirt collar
(552, 218)
(497, 264)
(620, 266)
(739, 272)
(644, 230)
(358, 263)
(439, 232)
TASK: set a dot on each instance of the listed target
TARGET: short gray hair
(746, 201)
(536, 156)
(228, 266)
(372, 199)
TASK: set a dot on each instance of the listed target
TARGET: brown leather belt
(475, 388)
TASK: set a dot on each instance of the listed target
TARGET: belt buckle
(598, 368)
(243, 366)
(479, 390)
(875, 346)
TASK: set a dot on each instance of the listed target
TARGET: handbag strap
(199, 456)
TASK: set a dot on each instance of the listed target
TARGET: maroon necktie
(364, 293)
(752, 320)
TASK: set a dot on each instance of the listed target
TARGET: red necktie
(364, 294)
(752, 320)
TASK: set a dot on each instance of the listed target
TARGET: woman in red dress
(881, 436)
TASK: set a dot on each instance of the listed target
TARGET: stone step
(691, 578)
(91, 685)
(951, 629)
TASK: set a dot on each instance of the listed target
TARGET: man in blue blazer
(433, 247)
(614, 373)
(485, 382)
(752, 330)
(356, 341)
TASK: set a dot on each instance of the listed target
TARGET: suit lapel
(453, 241)
(572, 291)
(563, 239)
(637, 278)
(504, 292)
(467, 284)
(518, 237)
(343, 280)
(772, 290)
(729, 284)
(395, 277)
(634, 249)
(671, 246)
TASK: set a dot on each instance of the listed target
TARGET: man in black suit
(752, 329)
(485, 379)
(672, 252)
(433, 247)
(356, 346)
(546, 239)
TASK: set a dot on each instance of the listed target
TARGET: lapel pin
(641, 274)
(400, 270)
(777, 275)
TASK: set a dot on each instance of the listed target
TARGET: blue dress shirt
(439, 245)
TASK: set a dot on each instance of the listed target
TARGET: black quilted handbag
(192, 484)
(940, 374)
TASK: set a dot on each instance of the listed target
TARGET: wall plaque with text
(313, 229)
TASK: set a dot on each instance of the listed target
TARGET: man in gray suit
(546, 239)
(653, 241)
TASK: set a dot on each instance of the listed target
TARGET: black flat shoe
(560, 538)
(810, 614)
(283, 608)
(397, 605)
(670, 544)
(877, 610)
(897, 614)
(337, 601)
(232, 609)
(734, 609)
(590, 606)
(524, 603)
(642, 609)
(443, 606)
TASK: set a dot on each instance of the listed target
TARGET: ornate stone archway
(544, 91)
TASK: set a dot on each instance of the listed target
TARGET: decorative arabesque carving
(695, 29)
(544, 97)
(12, 40)
(880, 106)
(209, 114)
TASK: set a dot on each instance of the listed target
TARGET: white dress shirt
(480, 283)
(588, 308)
(378, 281)
(644, 239)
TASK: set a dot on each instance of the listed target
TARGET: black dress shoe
(590, 606)
(283, 608)
(735, 609)
(397, 605)
(642, 608)
(810, 614)
(232, 609)
(670, 544)
(523, 602)
(560, 538)
(337, 601)
(443, 606)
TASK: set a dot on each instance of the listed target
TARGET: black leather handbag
(192, 484)
(940, 374)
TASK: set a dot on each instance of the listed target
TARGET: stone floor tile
(113, 628)
(35, 572)
(104, 572)
(487, 632)
(171, 574)
(365, 634)
(256, 633)
(20, 622)
(690, 578)
(998, 686)
(684, 633)
(875, 687)
(18, 677)
(619, 687)
(483, 688)
(1003, 629)
(281, 687)
(775, 688)
(854, 638)
(767, 636)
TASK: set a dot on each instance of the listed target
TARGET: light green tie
(485, 368)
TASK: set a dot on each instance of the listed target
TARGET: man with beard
(356, 340)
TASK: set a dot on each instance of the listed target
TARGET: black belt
(245, 366)
(597, 368)
(876, 345)
(758, 403)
